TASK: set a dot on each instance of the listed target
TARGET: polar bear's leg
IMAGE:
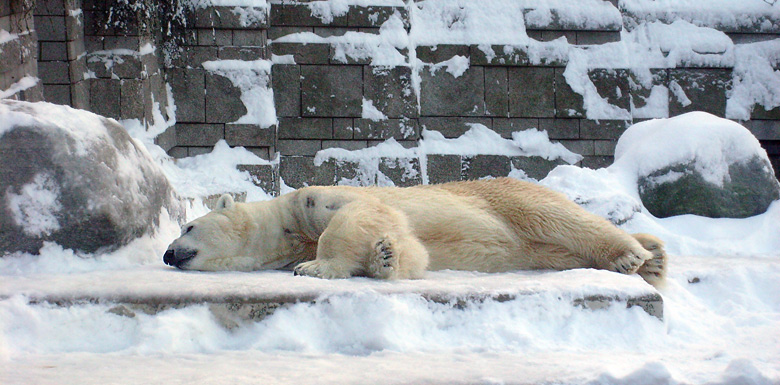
(367, 238)
(654, 269)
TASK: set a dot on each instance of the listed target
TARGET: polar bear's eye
(187, 230)
(287, 231)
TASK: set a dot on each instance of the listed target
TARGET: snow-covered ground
(721, 320)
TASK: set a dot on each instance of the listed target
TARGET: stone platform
(235, 297)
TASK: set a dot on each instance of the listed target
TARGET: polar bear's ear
(225, 202)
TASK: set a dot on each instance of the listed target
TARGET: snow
(712, 145)
(721, 311)
(721, 320)
(35, 208)
(21, 85)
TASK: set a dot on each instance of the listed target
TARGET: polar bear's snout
(178, 257)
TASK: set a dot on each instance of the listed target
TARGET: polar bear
(398, 233)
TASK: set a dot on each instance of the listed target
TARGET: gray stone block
(545, 36)
(597, 37)
(212, 36)
(452, 127)
(759, 112)
(313, 53)
(10, 55)
(298, 147)
(223, 100)
(132, 99)
(748, 38)
(343, 128)
(535, 166)
(122, 42)
(596, 162)
(531, 92)
(443, 168)
(178, 152)
(442, 94)
(287, 89)
(582, 147)
(229, 17)
(280, 31)
(613, 85)
(374, 16)
(54, 72)
(498, 55)
(249, 135)
(250, 37)
(105, 97)
(53, 51)
(506, 126)
(603, 129)
(300, 15)
(705, 88)
(195, 151)
(57, 94)
(568, 104)
(93, 43)
(79, 93)
(384, 129)
(764, 129)
(604, 147)
(265, 176)
(442, 52)
(50, 28)
(404, 172)
(242, 53)
(47, 8)
(496, 91)
(305, 128)
(76, 49)
(390, 90)
(561, 128)
(350, 145)
(193, 57)
(188, 86)
(481, 166)
(202, 135)
(300, 171)
(331, 91)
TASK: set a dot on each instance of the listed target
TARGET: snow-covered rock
(76, 179)
(700, 164)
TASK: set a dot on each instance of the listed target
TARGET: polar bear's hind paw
(628, 263)
(384, 263)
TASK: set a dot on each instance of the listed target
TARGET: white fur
(490, 225)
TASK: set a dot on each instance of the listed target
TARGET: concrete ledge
(235, 296)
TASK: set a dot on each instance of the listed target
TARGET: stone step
(235, 297)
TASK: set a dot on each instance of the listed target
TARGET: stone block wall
(209, 104)
(18, 52)
(324, 98)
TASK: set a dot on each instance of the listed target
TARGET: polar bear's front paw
(317, 268)
(384, 263)
(629, 262)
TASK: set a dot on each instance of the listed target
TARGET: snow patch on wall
(253, 78)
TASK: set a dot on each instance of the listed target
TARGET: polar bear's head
(230, 238)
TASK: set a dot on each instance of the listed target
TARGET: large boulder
(77, 179)
(699, 164)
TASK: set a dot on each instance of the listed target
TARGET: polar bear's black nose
(178, 258)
